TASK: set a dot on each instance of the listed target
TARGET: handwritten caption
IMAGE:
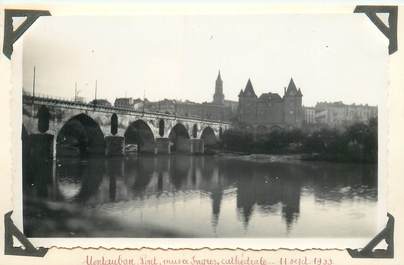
(195, 260)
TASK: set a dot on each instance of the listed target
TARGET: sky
(331, 57)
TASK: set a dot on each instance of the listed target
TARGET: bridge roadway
(98, 129)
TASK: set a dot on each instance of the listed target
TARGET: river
(199, 196)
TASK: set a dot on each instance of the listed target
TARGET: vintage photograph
(202, 126)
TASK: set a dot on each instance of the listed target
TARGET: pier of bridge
(54, 127)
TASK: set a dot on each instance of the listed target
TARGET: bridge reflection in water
(198, 196)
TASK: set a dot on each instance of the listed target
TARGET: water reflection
(258, 192)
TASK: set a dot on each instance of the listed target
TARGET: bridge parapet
(65, 103)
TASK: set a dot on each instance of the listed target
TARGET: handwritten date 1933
(305, 261)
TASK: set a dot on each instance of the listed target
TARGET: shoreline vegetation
(356, 143)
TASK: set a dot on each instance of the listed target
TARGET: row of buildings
(338, 114)
(218, 109)
(261, 113)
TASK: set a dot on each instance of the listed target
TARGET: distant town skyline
(339, 57)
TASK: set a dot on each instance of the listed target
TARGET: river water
(199, 196)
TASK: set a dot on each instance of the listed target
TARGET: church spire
(219, 78)
(218, 97)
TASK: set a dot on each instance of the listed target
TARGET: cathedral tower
(293, 110)
(247, 104)
(218, 97)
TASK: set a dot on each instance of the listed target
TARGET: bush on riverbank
(357, 143)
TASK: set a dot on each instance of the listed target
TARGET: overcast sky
(341, 57)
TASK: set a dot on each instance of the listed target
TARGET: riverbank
(286, 158)
(262, 158)
(357, 143)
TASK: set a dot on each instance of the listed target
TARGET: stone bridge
(55, 127)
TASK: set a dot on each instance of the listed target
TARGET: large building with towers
(269, 110)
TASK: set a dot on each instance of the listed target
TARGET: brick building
(270, 111)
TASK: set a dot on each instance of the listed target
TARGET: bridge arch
(140, 133)
(209, 137)
(80, 136)
(276, 128)
(178, 137)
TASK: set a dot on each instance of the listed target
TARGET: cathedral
(270, 111)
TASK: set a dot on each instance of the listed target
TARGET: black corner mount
(11, 232)
(369, 250)
(11, 35)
